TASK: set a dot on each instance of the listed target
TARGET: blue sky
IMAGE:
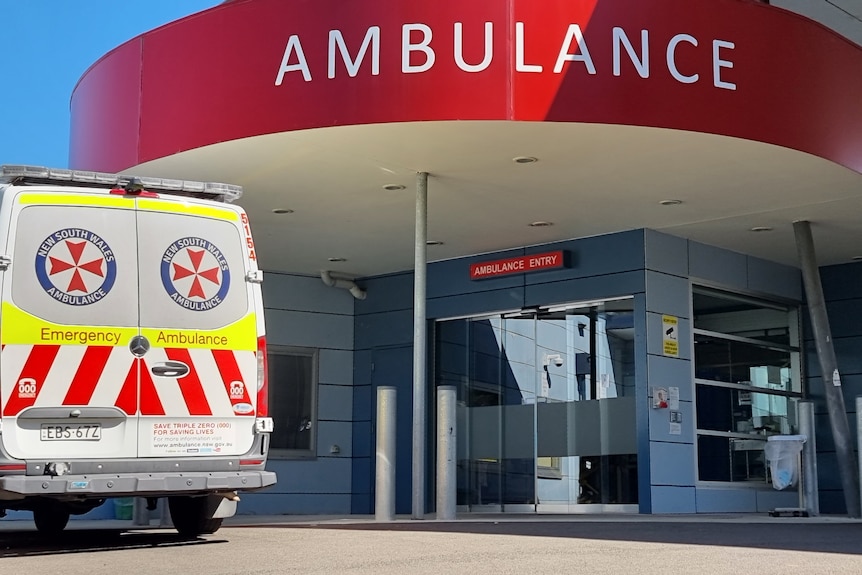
(45, 47)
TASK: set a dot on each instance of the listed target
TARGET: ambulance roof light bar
(22, 174)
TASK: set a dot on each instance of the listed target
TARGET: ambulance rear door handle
(170, 369)
(5, 262)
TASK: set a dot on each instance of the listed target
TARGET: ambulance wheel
(51, 518)
(192, 516)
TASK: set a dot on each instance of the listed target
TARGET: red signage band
(522, 264)
(293, 66)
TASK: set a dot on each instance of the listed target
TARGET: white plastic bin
(783, 455)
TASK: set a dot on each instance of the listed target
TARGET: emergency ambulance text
(82, 337)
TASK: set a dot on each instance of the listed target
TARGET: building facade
(613, 288)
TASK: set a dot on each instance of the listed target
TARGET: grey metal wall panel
(303, 293)
(334, 402)
(659, 424)
(593, 256)
(362, 404)
(335, 434)
(671, 372)
(655, 342)
(362, 439)
(841, 281)
(362, 367)
(335, 366)
(775, 279)
(717, 265)
(667, 294)
(384, 329)
(667, 499)
(476, 303)
(666, 253)
(726, 500)
(677, 464)
(322, 475)
(585, 289)
(306, 329)
(386, 293)
(265, 503)
(845, 317)
(361, 497)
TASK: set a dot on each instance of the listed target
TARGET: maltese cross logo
(75, 266)
(195, 274)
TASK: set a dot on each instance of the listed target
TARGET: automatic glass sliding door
(545, 408)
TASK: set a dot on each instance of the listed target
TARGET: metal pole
(384, 485)
(447, 446)
(809, 458)
(828, 366)
(419, 345)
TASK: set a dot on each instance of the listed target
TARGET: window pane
(291, 393)
(718, 359)
(741, 411)
(736, 315)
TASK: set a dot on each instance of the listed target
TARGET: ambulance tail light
(262, 379)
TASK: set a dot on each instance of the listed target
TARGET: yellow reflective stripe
(115, 201)
(187, 208)
(240, 335)
(71, 199)
(22, 328)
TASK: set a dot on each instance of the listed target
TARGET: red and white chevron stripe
(73, 375)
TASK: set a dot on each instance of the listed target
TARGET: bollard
(447, 446)
(384, 485)
(809, 458)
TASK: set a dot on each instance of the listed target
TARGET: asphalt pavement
(474, 545)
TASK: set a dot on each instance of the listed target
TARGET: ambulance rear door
(199, 378)
(68, 380)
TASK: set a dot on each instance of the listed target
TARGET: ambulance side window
(76, 265)
(293, 401)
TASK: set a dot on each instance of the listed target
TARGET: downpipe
(343, 283)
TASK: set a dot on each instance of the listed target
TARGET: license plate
(75, 432)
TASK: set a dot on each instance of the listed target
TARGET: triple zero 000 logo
(76, 266)
(195, 274)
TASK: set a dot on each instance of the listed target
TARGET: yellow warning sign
(670, 335)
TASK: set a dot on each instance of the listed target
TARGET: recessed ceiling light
(541, 224)
(393, 187)
(433, 243)
(282, 211)
(670, 202)
(761, 229)
(338, 259)
(524, 159)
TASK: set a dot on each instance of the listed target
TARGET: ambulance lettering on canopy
(75, 266)
(195, 274)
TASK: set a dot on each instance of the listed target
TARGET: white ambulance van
(133, 358)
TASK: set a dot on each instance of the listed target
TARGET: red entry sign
(522, 264)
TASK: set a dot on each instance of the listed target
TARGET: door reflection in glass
(546, 406)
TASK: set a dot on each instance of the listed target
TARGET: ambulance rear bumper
(132, 484)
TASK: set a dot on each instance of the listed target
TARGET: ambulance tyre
(192, 516)
(51, 518)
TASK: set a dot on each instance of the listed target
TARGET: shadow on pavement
(30, 543)
(843, 538)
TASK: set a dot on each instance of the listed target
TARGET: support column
(828, 366)
(447, 452)
(419, 345)
(384, 484)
